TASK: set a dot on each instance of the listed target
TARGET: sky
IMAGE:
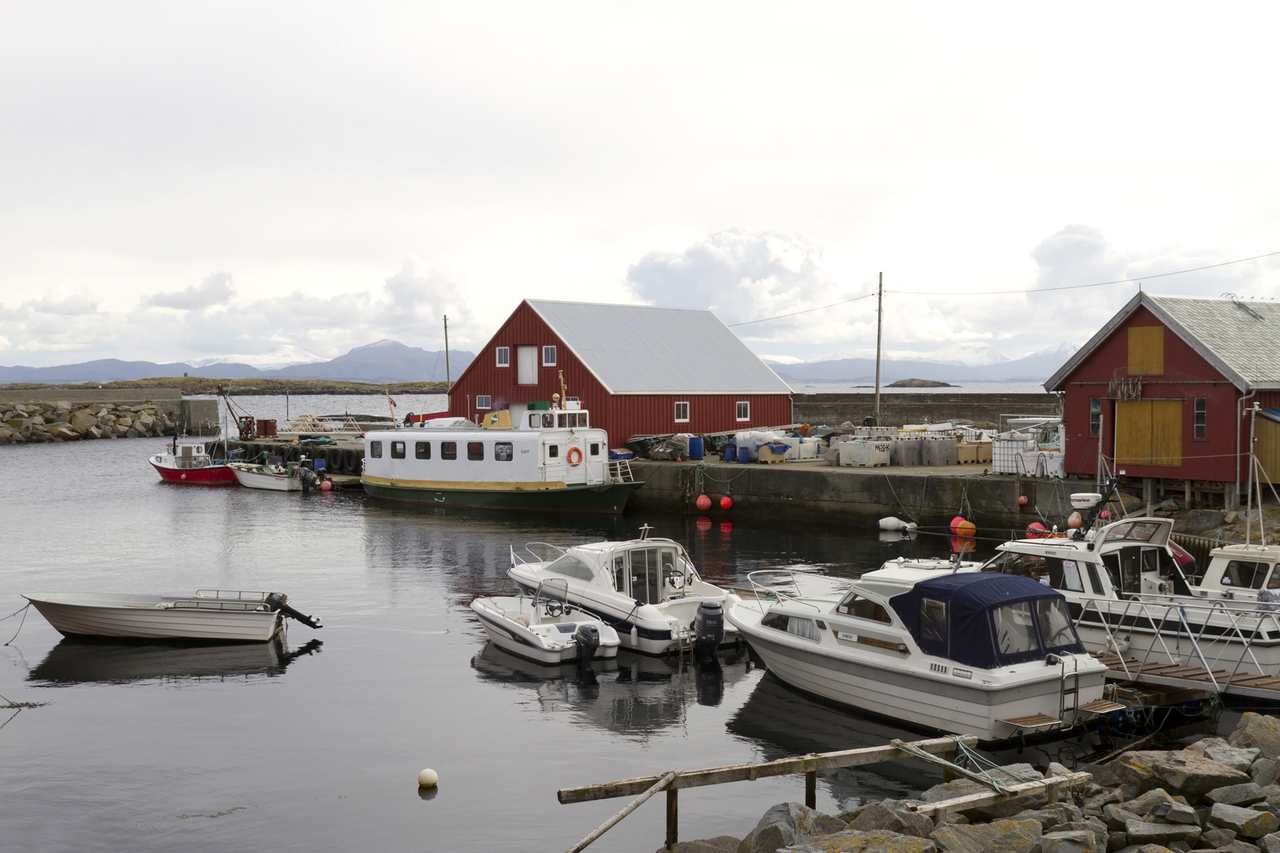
(187, 180)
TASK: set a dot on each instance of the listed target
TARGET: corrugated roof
(1241, 338)
(642, 349)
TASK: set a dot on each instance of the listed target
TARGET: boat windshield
(1136, 530)
(571, 566)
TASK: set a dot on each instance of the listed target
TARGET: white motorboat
(273, 477)
(209, 614)
(543, 629)
(963, 653)
(646, 589)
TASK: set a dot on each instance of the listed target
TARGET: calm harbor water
(315, 743)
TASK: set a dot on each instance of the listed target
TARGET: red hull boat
(189, 463)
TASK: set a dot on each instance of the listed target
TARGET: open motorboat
(646, 589)
(543, 629)
(273, 475)
(190, 463)
(209, 614)
(962, 653)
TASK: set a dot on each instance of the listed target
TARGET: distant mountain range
(1033, 368)
(383, 361)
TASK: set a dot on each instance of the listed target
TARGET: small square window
(1201, 424)
(475, 450)
(549, 356)
(682, 412)
(744, 410)
(484, 401)
(1095, 416)
(503, 451)
(375, 449)
(422, 450)
(595, 448)
(448, 450)
(553, 451)
(397, 450)
(504, 356)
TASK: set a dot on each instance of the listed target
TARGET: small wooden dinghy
(209, 614)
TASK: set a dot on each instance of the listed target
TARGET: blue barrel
(730, 451)
(695, 447)
(744, 455)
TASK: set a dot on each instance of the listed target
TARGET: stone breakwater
(1215, 795)
(21, 423)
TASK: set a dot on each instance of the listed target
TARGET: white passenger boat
(543, 629)
(962, 653)
(646, 589)
(535, 457)
(209, 614)
(278, 477)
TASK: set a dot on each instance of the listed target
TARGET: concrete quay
(818, 492)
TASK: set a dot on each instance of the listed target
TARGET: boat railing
(520, 559)
(783, 585)
(225, 600)
(1233, 626)
(620, 471)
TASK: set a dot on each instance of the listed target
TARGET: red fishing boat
(191, 463)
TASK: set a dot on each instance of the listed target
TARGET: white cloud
(214, 290)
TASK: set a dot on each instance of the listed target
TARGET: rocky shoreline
(23, 423)
(1215, 795)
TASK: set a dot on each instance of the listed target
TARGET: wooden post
(811, 789)
(673, 817)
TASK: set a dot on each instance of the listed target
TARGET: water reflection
(634, 695)
(84, 661)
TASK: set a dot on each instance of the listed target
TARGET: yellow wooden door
(1149, 432)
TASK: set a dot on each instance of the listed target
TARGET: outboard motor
(276, 601)
(708, 629)
(588, 639)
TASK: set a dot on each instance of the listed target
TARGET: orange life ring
(574, 456)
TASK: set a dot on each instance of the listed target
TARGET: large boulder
(786, 824)
(1249, 823)
(1258, 730)
(999, 836)
(1148, 832)
(1216, 837)
(891, 816)
(1265, 771)
(1069, 842)
(1244, 794)
(1219, 749)
(864, 842)
(1183, 771)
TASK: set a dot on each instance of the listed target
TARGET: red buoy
(703, 503)
(1036, 530)
(726, 502)
(1074, 520)
(956, 522)
(1022, 500)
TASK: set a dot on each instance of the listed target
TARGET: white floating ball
(428, 778)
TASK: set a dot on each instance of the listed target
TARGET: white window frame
(685, 404)
(484, 401)
(503, 356)
(742, 410)
(549, 348)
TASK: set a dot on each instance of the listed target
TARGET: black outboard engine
(276, 601)
(708, 629)
(588, 639)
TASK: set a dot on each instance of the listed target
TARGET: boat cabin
(1249, 572)
(648, 570)
(986, 620)
(1126, 558)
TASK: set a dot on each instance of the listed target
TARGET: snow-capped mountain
(285, 355)
(970, 355)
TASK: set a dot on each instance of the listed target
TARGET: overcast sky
(181, 180)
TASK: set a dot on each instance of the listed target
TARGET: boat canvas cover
(986, 620)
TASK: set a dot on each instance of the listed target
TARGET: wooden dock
(1242, 683)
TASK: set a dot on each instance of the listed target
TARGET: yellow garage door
(1149, 432)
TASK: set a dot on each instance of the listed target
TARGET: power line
(805, 311)
(1080, 286)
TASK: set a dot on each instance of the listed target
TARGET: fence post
(673, 817)
(811, 789)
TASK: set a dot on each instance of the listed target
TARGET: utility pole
(448, 377)
(879, 326)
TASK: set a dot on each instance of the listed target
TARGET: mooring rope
(23, 611)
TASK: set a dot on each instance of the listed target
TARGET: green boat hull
(610, 499)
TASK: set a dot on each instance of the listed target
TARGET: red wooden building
(638, 369)
(1166, 391)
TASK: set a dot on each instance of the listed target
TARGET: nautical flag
(389, 400)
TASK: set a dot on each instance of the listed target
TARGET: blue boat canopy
(987, 620)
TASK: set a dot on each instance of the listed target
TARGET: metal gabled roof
(643, 349)
(1241, 339)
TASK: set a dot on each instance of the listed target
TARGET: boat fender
(574, 456)
(588, 639)
(708, 628)
(892, 523)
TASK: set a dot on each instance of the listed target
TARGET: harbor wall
(855, 496)
(896, 409)
(192, 416)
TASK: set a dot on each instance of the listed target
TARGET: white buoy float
(892, 523)
(428, 778)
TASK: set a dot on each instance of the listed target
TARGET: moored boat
(646, 589)
(280, 477)
(535, 457)
(190, 463)
(544, 629)
(208, 614)
(961, 653)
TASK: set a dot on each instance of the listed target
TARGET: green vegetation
(194, 385)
